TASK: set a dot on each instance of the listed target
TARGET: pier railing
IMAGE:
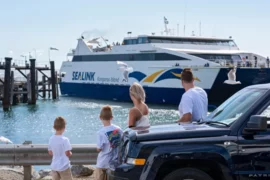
(37, 154)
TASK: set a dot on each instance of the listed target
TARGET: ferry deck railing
(27, 155)
(246, 63)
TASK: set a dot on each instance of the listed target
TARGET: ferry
(156, 62)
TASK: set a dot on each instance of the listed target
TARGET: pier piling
(32, 81)
(43, 87)
(11, 90)
(53, 81)
(49, 87)
(56, 83)
(6, 98)
(36, 84)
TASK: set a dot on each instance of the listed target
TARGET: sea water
(35, 122)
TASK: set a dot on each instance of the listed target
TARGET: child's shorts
(100, 174)
(63, 175)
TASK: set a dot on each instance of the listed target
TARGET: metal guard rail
(37, 154)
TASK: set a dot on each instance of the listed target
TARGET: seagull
(5, 140)
(125, 68)
(232, 77)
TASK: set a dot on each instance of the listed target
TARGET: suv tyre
(188, 174)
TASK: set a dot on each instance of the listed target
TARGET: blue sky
(29, 24)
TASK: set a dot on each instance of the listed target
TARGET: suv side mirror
(257, 123)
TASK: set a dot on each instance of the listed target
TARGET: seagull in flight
(5, 140)
(125, 68)
(232, 77)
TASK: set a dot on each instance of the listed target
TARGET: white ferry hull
(108, 81)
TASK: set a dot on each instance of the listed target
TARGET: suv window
(236, 105)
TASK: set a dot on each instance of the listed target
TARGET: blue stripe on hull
(121, 93)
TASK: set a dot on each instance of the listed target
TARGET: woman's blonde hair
(137, 91)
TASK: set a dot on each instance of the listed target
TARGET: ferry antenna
(185, 18)
(177, 29)
(200, 27)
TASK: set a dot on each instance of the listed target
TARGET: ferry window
(199, 42)
(156, 41)
(219, 43)
(130, 41)
(145, 40)
(214, 42)
(232, 44)
(131, 57)
(203, 42)
(226, 43)
(167, 41)
(142, 40)
(134, 41)
(236, 58)
(165, 56)
(144, 56)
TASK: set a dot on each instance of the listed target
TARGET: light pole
(49, 52)
(25, 57)
(35, 53)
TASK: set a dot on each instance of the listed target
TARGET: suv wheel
(188, 174)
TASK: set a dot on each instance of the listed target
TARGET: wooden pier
(27, 91)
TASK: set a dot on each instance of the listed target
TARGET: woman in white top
(138, 115)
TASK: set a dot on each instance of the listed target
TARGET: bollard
(53, 81)
(6, 98)
(33, 81)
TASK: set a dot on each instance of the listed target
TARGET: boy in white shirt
(60, 149)
(107, 144)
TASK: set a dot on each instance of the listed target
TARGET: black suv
(233, 144)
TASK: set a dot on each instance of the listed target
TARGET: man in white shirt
(194, 102)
